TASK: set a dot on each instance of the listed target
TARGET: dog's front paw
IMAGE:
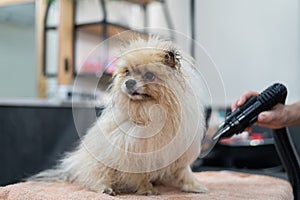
(152, 191)
(147, 189)
(194, 187)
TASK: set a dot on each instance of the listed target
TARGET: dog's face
(138, 82)
(147, 74)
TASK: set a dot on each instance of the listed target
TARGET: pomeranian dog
(150, 131)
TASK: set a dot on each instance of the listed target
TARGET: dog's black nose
(130, 84)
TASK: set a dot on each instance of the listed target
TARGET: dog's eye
(127, 72)
(149, 76)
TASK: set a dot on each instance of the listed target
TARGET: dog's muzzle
(131, 86)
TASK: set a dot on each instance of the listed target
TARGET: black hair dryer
(246, 115)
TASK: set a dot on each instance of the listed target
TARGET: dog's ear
(171, 58)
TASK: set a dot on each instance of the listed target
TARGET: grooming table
(222, 185)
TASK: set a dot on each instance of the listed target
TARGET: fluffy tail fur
(50, 175)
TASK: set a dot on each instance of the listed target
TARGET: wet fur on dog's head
(148, 73)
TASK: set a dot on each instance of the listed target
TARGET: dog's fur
(150, 132)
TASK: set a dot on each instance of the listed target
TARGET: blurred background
(253, 43)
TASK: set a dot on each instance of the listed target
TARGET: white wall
(17, 51)
(17, 61)
(254, 43)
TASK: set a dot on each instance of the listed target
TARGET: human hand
(275, 118)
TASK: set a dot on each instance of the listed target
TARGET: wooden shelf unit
(67, 71)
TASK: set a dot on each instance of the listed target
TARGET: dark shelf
(143, 2)
(112, 29)
(97, 28)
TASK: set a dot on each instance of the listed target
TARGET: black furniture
(34, 135)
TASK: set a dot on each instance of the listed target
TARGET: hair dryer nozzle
(246, 115)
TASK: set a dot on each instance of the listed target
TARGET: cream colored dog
(150, 132)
